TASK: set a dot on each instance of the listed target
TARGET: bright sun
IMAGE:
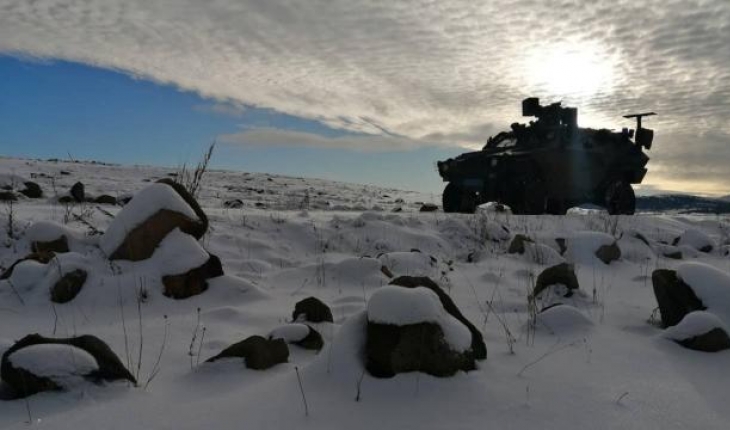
(577, 70)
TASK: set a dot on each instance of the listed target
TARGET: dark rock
(397, 209)
(64, 173)
(32, 190)
(124, 200)
(562, 245)
(106, 199)
(562, 273)
(192, 282)
(641, 237)
(674, 255)
(233, 204)
(428, 207)
(58, 246)
(8, 196)
(313, 310)
(478, 347)
(66, 199)
(141, 242)
(258, 353)
(24, 383)
(312, 341)
(77, 192)
(675, 298)
(66, 288)
(260, 205)
(517, 246)
(608, 253)
(392, 349)
(712, 341)
(41, 257)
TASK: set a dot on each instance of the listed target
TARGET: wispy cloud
(412, 68)
(226, 109)
(266, 136)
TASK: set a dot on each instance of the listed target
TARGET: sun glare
(577, 70)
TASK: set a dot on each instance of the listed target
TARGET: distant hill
(681, 203)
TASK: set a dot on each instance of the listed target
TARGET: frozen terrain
(600, 363)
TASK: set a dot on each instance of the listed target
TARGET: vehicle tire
(456, 199)
(620, 199)
(534, 197)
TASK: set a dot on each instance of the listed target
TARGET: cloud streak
(426, 71)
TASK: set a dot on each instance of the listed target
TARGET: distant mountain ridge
(682, 203)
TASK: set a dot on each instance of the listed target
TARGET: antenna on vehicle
(644, 136)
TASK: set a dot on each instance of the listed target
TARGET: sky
(362, 91)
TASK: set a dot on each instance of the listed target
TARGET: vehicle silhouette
(550, 165)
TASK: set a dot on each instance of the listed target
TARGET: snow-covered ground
(598, 364)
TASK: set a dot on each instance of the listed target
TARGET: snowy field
(600, 361)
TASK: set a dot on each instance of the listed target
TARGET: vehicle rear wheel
(534, 197)
(620, 198)
(457, 199)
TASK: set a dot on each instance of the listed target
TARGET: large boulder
(692, 286)
(674, 297)
(560, 274)
(29, 369)
(258, 353)
(313, 310)
(477, 342)
(409, 329)
(145, 221)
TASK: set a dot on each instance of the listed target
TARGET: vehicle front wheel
(620, 199)
(457, 199)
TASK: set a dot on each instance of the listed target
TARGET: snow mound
(696, 239)
(405, 306)
(290, 332)
(145, 203)
(494, 231)
(408, 263)
(47, 231)
(542, 254)
(25, 275)
(11, 180)
(561, 318)
(582, 246)
(587, 209)
(494, 207)
(694, 324)
(61, 363)
(177, 253)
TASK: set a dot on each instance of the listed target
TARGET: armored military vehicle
(550, 165)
